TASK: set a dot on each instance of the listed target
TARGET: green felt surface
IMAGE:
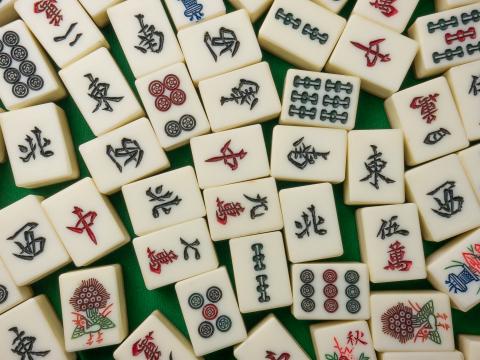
(140, 301)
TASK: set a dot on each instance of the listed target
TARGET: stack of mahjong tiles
(351, 200)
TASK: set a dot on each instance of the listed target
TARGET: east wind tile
(10, 293)
(186, 13)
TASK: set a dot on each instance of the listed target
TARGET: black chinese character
(261, 202)
(193, 245)
(226, 42)
(130, 149)
(475, 86)
(390, 228)
(67, 34)
(31, 246)
(32, 143)
(23, 345)
(303, 155)
(448, 203)
(166, 201)
(245, 93)
(308, 220)
(99, 93)
(150, 39)
(375, 165)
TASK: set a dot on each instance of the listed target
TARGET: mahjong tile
(242, 209)
(375, 167)
(428, 117)
(29, 247)
(332, 5)
(123, 155)
(311, 224)
(437, 355)
(320, 99)
(269, 340)
(308, 154)
(411, 321)
(255, 8)
(10, 293)
(185, 13)
(173, 105)
(175, 253)
(3, 151)
(144, 32)
(469, 345)
(210, 311)
(446, 202)
(7, 12)
(163, 200)
(240, 97)
(300, 32)
(154, 337)
(101, 92)
(63, 28)
(93, 307)
(85, 221)
(469, 159)
(441, 5)
(219, 45)
(261, 272)
(230, 156)
(446, 39)
(330, 291)
(391, 242)
(97, 9)
(379, 56)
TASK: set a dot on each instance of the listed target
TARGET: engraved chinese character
(474, 86)
(391, 227)
(192, 246)
(67, 34)
(427, 105)
(396, 258)
(24, 345)
(355, 339)
(166, 201)
(31, 246)
(150, 38)
(386, 7)
(310, 220)
(159, 258)
(228, 156)
(448, 203)
(225, 42)
(372, 52)
(303, 155)
(147, 347)
(224, 210)
(262, 203)
(84, 223)
(270, 355)
(52, 12)
(99, 93)
(436, 136)
(32, 143)
(193, 10)
(375, 165)
(130, 150)
(245, 93)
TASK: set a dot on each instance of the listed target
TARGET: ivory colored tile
(28, 78)
(185, 13)
(10, 293)
(311, 224)
(411, 321)
(175, 253)
(263, 282)
(441, 5)
(330, 291)
(445, 39)
(469, 345)
(382, 74)
(7, 12)
(86, 222)
(93, 307)
(97, 9)
(446, 355)
(163, 200)
(391, 242)
(121, 156)
(332, 5)
(469, 159)
(269, 340)
(219, 45)
(446, 202)
(144, 32)
(240, 97)
(230, 156)
(255, 8)
(101, 92)
(3, 152)
(39, 145)
(32, 330)
(153, 338)
(242, 209)
(428, 117)
(63, 28)
(30, 248)
(300, 32)
(210, 311)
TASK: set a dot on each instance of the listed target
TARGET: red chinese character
(427, 105)
(372, 52)
(229, 157)
(228, 209)
(52, 12)
(386, 7)
(160, 258)
(84, 223)
(147, 347)
(272, 356)
(397, 258)
(354, 338)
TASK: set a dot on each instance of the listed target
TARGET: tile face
(28, 79)
(375, 167)
(93, 307)
(101, 92)
(3, 151)
(124, 155)
(381, 72)
(210, 311)
(447, 355)
(230, 156)
(97, 9)
(332, 5)
(10, 293)
(152, 43)
(242, 209)
(454, 269)
(261, 272)
(311, 225)
(309, 154)
(338, 340)
(219, 45)
(39, 145)
(469, 158)
(173, 106)
(464, 81)
(185, 13)
(63, 28)
(330, 291)
(411, 321)
(469, 345)
(29, 247)
(441, 5)
(320, 99)
(86, 222)
(255, 8)
(300, 32)
(269, 340)
(240, 97)
(31, 331)
(155, 337)
(7, 12)
(391, 242)
(428, 117)
(163, 200)
(175, 253)
(446, 39)
(446, 202)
